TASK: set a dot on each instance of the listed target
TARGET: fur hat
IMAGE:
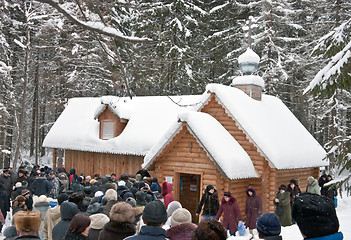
(95, 208)
(283, 187)
(227, 194)
(268, 225)
(293, 181)
(179, 216)
(209, 187)
(111, 194)
(172, 206)
(18, 185)
(315, 215)
(209, 229)
(122, 212)
(155, 212)
(98, 220)
(27, 221)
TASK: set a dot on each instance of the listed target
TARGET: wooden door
(189, 193)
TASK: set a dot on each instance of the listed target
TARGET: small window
(108, 130)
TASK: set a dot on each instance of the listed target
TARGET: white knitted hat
(181, 215)
(98, 220)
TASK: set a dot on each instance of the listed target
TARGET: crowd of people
(65, 206)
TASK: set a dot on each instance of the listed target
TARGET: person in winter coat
(20, 178)
(77, 186)
(253, 208)
(154, 216)
(42, 205)
(121, 225)
(67, 210)
(313, 186)
(282, 206)
(29, 200)
(41, 186)
(64, 181)
(98, 222)
(79, 228)
(10, 233)
(321, 181)
(4, 201)
(209, 229)
(331, 190)
(167, 193)
(53, 217)
(111, 198)
(72, 177)
(293, 189)
(7, 181)
(155, 181)
(231, 213)
(210, 203)
(181, 226)
(56, 185)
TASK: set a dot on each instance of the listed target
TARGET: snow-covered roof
(248, 56)
(270, 125)
(227, 153)
(248, 79)
(149, 118)
(120, 106)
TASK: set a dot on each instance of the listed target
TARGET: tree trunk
(24, 96)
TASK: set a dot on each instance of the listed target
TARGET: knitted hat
(268, 225)
(172, 206)
(111, 194)
(95, 208)
(88, 178)
(155, 212)
(18, 185)
(315, 215)
(98, 194)
(61, 198)
(154, 187)
(27, 221)
(122, 183)
(98, 220)
(131, 201)
(181, 215)
(283, 187)
(122, 212)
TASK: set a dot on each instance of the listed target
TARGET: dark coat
(94, 234)
(181, 231)
(167, 193)
(210, 203)
(253, 208)
(284, 203)
(28, 237)
(231, 214)
(293, 192)
(68, 210)
(41, 186)
(108, 206)
(117, 231)
(7, 182)
(4, 201)
(149, 233)
(74, 236)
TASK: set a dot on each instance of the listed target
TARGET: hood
(166, 188)
(55, 213)
(72, 171)
(251, 189)
(63, 176)
(231, 200)
(68, 210)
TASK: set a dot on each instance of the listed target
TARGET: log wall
(90, 163)
(300, 175)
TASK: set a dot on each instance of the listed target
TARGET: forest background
(51, 51)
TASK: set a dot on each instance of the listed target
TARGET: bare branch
(96, 27)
